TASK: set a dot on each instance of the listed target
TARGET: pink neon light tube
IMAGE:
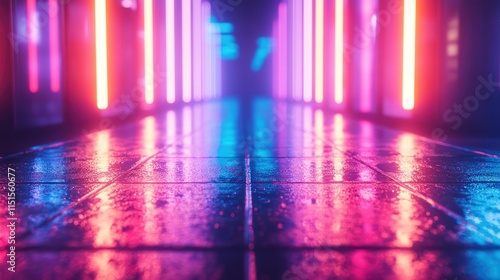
(33, 34)
(207, 49)
(197, 51)
(339, 51)
(276, 65)
(282, 54)
(55, 73)
(308, 49)
(101, 54)
(409, 30)
(297, 57)
(187, 54)
(148, 52)
(170, 48)
(319, 57)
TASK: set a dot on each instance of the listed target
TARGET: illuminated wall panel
(361, 64)
(35, 40)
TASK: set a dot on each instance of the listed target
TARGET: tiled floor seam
(461, 220)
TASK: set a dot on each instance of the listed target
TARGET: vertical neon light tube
(55, 73)
(319, 50)
(170, 28)
(276, 65)
(282, 54)
(33, 34)
(148, 52)
(409, 31)
(207, 49)
(197, 50)
(308, 49)
(186, 51)
(339, 51)
(297, 10)
(101, 54)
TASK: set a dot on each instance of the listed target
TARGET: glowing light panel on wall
(170, 49)
(339, 51)
(33, 37)
(409, 31)
(319, 33)
(148, 52)
(101, 54)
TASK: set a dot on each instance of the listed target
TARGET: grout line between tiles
(461, 220)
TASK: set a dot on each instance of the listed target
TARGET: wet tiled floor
(254, 190)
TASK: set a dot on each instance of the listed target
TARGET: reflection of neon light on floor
(308, 49)
(319, 50)
(148, 52)
(186, 51)
(33, 34)
(339, 51)
(101, 54)
(410, 10)
(55, 74)
(170, 28)
(282, 55)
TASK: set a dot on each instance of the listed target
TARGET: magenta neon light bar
(307, 50)
(276, 66)
(55, 74)
(148, 52)
(170, 49)
(197, 50)
(33, 34)
(282, 53)
(339, 51)
(297, 50)
(207, 50)
(319, 50)
(186, 51)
